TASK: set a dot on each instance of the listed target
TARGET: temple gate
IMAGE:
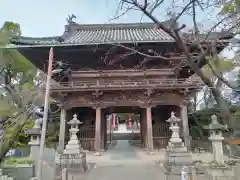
(108, 67)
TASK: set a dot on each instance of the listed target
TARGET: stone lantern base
(176, 158)
(177, 155)
(74, 161)
(73, 157)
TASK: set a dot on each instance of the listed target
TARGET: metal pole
(45, 115)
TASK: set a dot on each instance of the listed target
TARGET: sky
(48, 17)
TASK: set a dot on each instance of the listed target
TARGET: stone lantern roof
(74, 121)
(214, 125)
(35, 131)
(173, 119)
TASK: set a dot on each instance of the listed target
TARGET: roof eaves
(33, 40)
(82, 44)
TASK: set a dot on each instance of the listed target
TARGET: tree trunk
(195, 103)
(225, 112)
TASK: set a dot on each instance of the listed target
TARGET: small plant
(17, 161)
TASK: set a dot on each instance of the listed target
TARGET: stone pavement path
(126, 165)
(123, 151)
(126, 172)
(125, 162)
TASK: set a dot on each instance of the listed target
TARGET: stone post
(216, 138)
(184, 117)
(62, 130)
(97, 144)
(149, 130)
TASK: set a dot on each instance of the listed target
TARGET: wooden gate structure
(109, 68)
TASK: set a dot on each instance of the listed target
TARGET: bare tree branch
(174, 32)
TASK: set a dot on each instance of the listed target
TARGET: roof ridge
(30, 37)
(116, 25)
(133, 25)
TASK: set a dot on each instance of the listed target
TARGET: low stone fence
(7, 177)
(4, 177)
(19, 172)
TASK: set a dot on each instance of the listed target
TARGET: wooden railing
(121, 73)
(126, 84)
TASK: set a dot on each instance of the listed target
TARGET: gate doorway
(125, 125)
(122, 133)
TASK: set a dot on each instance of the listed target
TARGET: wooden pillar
(149, 130)
(62, 130)
(185, 126)
(105, 131)
(102, 130)
(141, 128)
(97, 145)
(144, 128)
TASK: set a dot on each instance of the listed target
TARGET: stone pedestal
(177, 155)
(73, 156)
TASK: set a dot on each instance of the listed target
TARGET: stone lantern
(216, 137)
(217, 168)
(35, 136)
(73, 146)
(73, 156)
(175, 138)
(177, 155)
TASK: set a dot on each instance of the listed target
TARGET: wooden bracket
(148, 93)
(97, 94)
(98, 104)
(145, 103)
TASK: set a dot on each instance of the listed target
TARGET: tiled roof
(104, 34)
(208, 37)
(119, 34)
(79, 34)
(32, 40)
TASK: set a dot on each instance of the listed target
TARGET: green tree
(17, 79)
